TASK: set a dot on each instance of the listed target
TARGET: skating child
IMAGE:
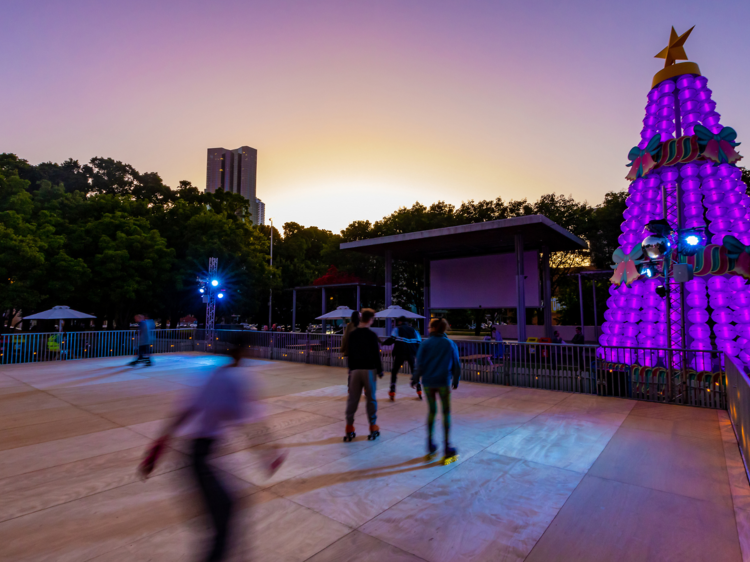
(439, 368)
(364, 364)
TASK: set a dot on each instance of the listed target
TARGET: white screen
(486, 281)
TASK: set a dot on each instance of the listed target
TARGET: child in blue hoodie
(439, 368)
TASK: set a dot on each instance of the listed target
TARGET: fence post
(307, 348)
(670, 373)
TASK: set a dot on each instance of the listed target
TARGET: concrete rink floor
(542, 475)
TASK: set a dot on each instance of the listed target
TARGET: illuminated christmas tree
(687, 207)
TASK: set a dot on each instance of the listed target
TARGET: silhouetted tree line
(106, 239)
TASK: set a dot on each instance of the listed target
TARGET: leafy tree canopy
(104, 238)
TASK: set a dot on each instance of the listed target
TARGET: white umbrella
(58, 313)
(340, 312)
(396, 311)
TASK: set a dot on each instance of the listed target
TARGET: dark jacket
(437, 362)
(145, 331)
(407, 341)
(364, 350)
(578, 339)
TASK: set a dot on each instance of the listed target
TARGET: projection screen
(486, 281)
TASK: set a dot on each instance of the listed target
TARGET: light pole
(208, 288)
(270, 291)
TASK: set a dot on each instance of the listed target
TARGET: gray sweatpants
(359, 379)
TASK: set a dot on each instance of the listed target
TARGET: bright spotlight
(202, 290)
(215, 282)
(691, 242)
(648, 270)
(220, 295)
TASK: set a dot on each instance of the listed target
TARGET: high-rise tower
(234, 171)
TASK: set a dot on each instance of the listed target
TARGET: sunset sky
(357, 108)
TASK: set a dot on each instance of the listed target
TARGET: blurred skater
(364, 364)
(439, 368)
(216, 406)
(146, 329)
(406, 341)
(496, 339)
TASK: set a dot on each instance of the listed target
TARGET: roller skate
(392, 393)
(419, 391)
(349, 433)
(431, 450)
(451, 455)
(374, 433)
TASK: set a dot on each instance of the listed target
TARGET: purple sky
(357, 108)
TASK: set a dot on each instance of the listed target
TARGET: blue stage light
(220, 295)
(202, 290)
(691, 242)
(215, 282)
(648, 270)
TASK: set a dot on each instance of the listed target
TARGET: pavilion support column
(580, 298)
(359, 303)
(547, 280)
(520, 290)
(323, 311)
(388, 288)
(426, 296)
(596, 321)
(294, 309)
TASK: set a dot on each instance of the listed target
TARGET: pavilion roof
(482, 238)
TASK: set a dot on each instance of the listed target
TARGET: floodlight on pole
(213, 266)
(270, 295)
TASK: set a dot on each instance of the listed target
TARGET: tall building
(234, 171)
(261, 208)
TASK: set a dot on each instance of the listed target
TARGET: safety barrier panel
(739, 407)
(640, 374)
(30, 347)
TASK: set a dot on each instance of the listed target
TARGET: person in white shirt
(217, 405)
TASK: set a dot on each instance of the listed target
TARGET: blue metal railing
(30, 347)
(658, 375)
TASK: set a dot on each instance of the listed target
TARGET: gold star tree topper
(672, 53)
(675, 50)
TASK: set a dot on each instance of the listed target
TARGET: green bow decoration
(625, 265)
(734, 247)
(642, 160)
(718, 147)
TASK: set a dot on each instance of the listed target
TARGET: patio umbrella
(396, 311)
(58, 313)
(340, 312)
